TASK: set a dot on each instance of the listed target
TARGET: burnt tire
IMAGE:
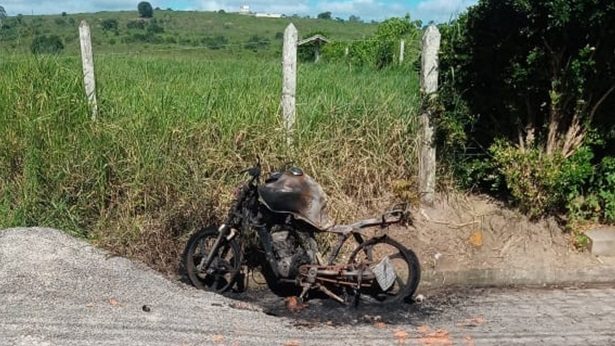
(405, 283)
(222, 274)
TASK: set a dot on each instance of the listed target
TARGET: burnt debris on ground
(323, 311)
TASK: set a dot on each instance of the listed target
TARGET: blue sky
(426, 10)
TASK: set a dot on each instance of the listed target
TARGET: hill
(226, 33)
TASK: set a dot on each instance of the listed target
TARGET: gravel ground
(57, 290)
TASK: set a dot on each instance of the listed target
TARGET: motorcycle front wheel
(402, 268)
(222, 273)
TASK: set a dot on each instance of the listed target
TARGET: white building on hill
(268, 15)
(244, 9)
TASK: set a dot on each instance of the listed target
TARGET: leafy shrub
(135, 24)
(379, 50)
(154, 28)
(604, 187)
(47, 45)
(598, 204)
(9, 31)
(215, 42)
(170, 39)
(540, 183)
(256, 42)
(59, 21)
(109, 25)
(324, 15)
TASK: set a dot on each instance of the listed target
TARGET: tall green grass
(174, 131)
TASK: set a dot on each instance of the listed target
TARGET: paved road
(55, 290)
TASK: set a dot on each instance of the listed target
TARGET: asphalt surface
(56, 290)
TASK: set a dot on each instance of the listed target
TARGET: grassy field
(175, 129)
(179, 29)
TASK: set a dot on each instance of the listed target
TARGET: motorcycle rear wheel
(222, 273)
(404, 262)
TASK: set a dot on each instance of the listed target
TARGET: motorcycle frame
(236, 225)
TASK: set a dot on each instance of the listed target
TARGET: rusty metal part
(399, 214)
(326, 291)
(350, 275)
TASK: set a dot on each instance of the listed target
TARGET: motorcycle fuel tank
(296, 193)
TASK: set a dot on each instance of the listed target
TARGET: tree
(540, 74)
(324, 15)
(109, 24)
(354, 19)
(145, 9)
(2, 14)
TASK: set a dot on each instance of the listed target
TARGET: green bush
(47, 45)
(530, 177)
(381, 49)
(598, 203)
(257, 42)
(109, 25)
(135, 24)
(541, 183)
(604, 187)
(154, 28)
(215, 42)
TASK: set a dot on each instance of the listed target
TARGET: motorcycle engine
(290, 255)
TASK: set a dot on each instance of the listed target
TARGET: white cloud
(441, 10)
(270, 6)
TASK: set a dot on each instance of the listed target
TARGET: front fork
(225, 233)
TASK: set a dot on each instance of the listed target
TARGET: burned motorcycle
(285, 212)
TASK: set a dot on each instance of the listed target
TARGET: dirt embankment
(462, 232)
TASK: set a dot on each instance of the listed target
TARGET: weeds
(164, 156)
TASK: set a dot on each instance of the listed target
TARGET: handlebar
(255, 171)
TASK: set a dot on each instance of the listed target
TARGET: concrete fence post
(289, 79)
(429, 88)
(88, 66)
